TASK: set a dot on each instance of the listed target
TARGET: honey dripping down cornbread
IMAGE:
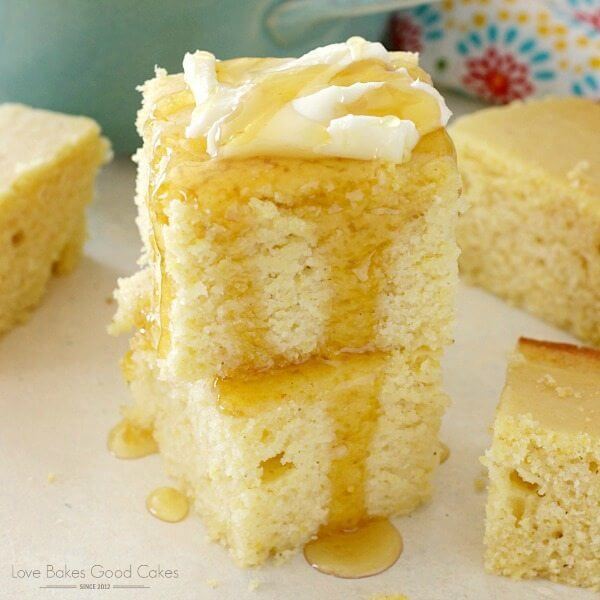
(543, 509)
(531, 179)
(296, 290)
(48, 165)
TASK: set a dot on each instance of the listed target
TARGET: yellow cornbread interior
(349, 386)
(531, 177)
(544, 493)
(48, 164)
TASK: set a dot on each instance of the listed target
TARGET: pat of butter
(305, 112)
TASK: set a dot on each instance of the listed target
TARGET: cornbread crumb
(442, 452)
(531, 232)
(562, 391)
(51, 477)
(389, 597)
(213, 583)
(544, 480)
(355, 196)
(254, 584)
(48, 164)
(574, 175)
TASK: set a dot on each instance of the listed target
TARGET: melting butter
(351, 100)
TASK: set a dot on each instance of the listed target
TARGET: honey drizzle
(355, 266)
(350, 385)
(348, 473)
(158, 188)
(127, 440)
(168, 504)
(370, 548)
(272, 91)
(161, 277)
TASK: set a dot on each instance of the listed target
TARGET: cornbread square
(531, 175)
(263, 261)
(290, 316)
(274, 457)
(543, 509)
(48, 163)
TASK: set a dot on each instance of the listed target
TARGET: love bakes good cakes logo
(93, 577)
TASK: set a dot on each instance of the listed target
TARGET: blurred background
(87, 57)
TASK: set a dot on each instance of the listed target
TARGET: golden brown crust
(557, 351)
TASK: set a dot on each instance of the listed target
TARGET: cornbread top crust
(29, 138)
(556, 137)
(558, 385)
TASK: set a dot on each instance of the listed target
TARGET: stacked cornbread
(531, 175)
(296, 290)
(543, 511)
(48, 164)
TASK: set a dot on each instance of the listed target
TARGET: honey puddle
(127, 440)
(371, 548)
(168, 504)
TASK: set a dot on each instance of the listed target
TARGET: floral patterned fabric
(504, 50)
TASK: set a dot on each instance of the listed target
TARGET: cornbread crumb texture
(531, 175)
(48, 163)
(213, 583)
(542, 516)
(290, 316)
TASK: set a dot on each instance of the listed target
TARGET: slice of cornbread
(260, 261)
(543, 509)
(273, 458)
(293, 306)
(531, 175)
(48, 163)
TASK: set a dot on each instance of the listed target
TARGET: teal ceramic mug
(87, 56)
